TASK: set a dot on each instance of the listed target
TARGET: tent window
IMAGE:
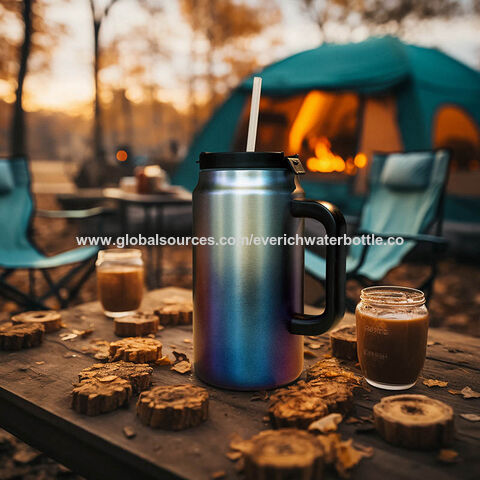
(455, 129)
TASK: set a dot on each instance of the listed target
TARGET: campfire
(325, 160)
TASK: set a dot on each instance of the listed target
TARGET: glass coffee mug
(120, 276)
(392, 329)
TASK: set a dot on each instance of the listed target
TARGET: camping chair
(18, 250)
(406, 192)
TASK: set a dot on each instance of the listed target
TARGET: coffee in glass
(392, 328)
(120, 279)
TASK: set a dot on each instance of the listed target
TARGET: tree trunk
(18, 145)
(98, 150)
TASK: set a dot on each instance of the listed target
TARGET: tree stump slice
(94, 396)
(175, 314)
(136, 325)
(337, 396)
(138, 374)
(136, 350)
(343, 342)
(284, 454)
(50, 319)
(21, 335)
(296, 407)
(414, 421)
(173, 407)
(330, 369)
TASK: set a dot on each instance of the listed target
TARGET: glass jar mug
(392, 329)
(120, 278)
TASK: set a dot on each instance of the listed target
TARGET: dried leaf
(182, 367)
(129, 432)
(471, 417)
(430, 382)
(163, 361)
(314, 346)
(187, 340)
(234, 456)
(218, 475)
(351, 420)
(309, 354)
(347, 456)
(68, 336)
(448, 456)
(180, 357)
(40, 363)
(329, 443)
(259, 396)
(454, 392)
(326, 424)
(467, 392)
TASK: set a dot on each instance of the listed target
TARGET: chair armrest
(423, 238)
(75, 214)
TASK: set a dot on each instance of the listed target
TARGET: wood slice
(136, 325)
(331, 369)
(284, 454)
(337, 396)
(138, 374)
(295, 407)
(414, 421)
(21, 335)
(173, 407)
(50, 319)
(94, 396)
(343, 342)
(136, 350)
(175, 314)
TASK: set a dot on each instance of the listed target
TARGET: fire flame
(326, 161)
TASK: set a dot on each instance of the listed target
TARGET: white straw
(254, 109)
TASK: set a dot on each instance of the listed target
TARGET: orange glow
(121, 155)
(326, 161)
(360, 160)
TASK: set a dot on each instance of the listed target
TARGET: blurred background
(91, 90)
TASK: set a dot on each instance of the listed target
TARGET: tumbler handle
(333, 221)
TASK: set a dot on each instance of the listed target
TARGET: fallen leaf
(471, 417)
(68, 336)
(430, 382)
(314, 346)
(467, 392)
(180, 357)
(326, 424)
(187, 340)
(309, 354)
(163, 361)
(129, 432)
(329, 443)
(347, 456)
(448, 456)
(351, 420)
(234, 456)
(182, 367)
(327, 355)
(218, 475)
(454, 392)
(259, 396)
(40, 363)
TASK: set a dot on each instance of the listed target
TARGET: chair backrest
(16, 206)
(405, 198)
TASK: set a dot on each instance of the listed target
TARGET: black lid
(243, 160)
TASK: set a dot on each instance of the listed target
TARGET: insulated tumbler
(248, 321)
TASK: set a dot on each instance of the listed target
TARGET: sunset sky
(69, 83)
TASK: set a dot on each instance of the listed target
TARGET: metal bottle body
(244, 294)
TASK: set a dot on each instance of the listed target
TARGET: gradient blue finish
(244, 295)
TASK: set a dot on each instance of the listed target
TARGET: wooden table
(34, 405)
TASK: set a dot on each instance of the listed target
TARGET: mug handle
(333, 221)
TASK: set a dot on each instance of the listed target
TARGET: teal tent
(435, 99)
